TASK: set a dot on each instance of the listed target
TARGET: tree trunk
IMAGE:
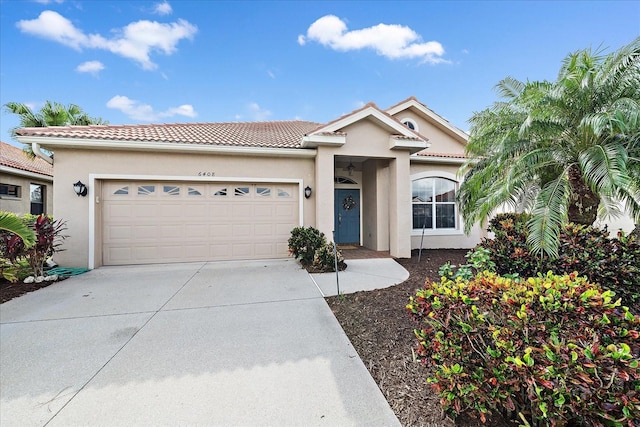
(583, 206)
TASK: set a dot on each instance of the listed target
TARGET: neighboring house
(26, 185)
(221, 191)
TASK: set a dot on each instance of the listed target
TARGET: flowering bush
(549, 350)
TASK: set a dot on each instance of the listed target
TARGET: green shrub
(304, 242)
(324, 259)
(549, 350)
(508, 249)
(310, 246)
(612, 262)
(479, 260)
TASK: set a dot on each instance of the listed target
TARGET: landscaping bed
(381, 331)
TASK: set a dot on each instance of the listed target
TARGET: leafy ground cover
(381, 331)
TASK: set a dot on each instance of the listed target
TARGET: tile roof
(277, 134)
(14, 157)
(426, 153)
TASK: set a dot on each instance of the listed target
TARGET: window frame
(457, 229)
(43, 199)
(18, 192)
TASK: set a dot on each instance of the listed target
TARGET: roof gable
(370, 112)
(429, 115)
(14, 158)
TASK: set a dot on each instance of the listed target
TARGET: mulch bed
(9, 291)
(381, 331)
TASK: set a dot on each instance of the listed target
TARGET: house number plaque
(206, 174)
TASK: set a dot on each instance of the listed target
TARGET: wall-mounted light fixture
(80, 189)
(307, 192)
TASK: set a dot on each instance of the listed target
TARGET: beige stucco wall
(74, 165)
(441, 142)
(23, 204)
(450, 239)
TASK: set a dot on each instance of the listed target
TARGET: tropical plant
(564, 151)
(12, 223)
(550, 350)
(51, 114)
(14, 236)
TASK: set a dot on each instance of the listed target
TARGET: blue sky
(201, 61)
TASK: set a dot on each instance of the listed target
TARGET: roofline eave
(27, 174)
(102, 144)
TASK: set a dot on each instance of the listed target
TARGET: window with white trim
(434, 204)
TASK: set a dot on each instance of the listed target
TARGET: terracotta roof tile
(427, 153)
(14, 157)
(277, 134)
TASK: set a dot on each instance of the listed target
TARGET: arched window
(434, 203)
(411, 124)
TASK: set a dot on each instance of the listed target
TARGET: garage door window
(194, 192)
(221, 192)
(146, 190)
(241, 191)
(283, 193)
(263, 191)
(171, 190)
(122, 191)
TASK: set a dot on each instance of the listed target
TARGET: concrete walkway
(234, 344)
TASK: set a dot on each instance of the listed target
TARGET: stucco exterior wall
(22, 205)
(74, 165)
(440, 141)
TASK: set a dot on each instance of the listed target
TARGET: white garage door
(161, 222)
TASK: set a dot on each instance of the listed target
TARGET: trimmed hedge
(550, 350)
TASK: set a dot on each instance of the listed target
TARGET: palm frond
(548, 215)
(12, 223)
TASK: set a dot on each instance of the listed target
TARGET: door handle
(339, 219)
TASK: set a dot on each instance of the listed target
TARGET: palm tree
(51, 114)
(565, 151)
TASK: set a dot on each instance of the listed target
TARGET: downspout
(35, 147)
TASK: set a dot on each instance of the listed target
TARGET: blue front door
(347, 216)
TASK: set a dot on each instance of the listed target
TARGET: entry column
(400, 206)
(324, 191)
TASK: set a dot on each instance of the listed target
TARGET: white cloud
(271, 74)
(163, 8)
(136, 41)
(91, 67)
(136, 110)
(49, 1)
(258, 113)
(390, 41)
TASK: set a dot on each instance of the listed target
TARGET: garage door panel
(174, 211)
(241, 250)
(262, 230)
(263, 250)
(144, 232)
(152, 222)
(171, 231)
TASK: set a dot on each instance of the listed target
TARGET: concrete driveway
(236, 343)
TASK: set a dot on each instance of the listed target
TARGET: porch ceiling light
(350, 168)
(307, 192)
(80, 189)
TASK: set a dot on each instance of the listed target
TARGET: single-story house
(26, 185)
(162, 193)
